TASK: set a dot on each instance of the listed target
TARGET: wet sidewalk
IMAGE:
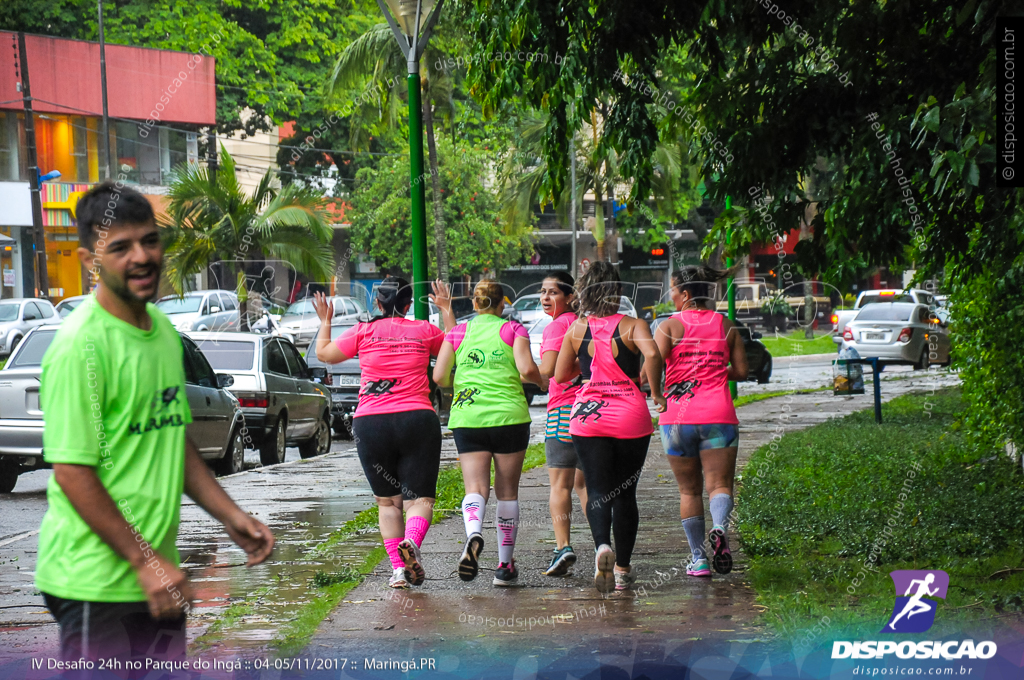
(467, 626)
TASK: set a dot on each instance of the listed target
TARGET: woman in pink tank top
(610, 422)
(702, 352)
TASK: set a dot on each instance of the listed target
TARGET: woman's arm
(528, 371)
(667, 335)
(737, 353)
(566, 365)
(653, 363)
(443, 365)
(326, 351)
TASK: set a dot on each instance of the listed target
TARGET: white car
(185, 310)
(536, 330)
(301, 322)
(20, 315)
(899, 333)
(528, 308)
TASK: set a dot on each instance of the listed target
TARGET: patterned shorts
(558, 424)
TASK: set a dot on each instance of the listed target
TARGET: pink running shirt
(611, 404)
(394, 355)
(559, 394)
(696, 373)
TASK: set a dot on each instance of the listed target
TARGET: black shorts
(400, 452)
(498, 439)
(121, 630)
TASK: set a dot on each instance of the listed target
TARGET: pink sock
(391, 545)
(416, 529)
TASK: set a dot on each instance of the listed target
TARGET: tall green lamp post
(731, 290)
(412, 21)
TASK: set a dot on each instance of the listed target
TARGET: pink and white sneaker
(721, 558)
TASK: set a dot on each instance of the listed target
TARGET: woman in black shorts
(398, 434)
(490, 420)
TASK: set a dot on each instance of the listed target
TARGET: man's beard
(119, 286)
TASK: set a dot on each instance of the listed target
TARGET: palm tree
(210, 217)
(376, 57)
(524, 182)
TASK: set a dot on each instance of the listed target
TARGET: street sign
(584, 265)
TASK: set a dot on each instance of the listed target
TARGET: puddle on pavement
(266, 598)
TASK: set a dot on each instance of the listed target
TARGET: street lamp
(412, 21)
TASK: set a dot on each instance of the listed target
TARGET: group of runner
(108, 565)
(594, 361)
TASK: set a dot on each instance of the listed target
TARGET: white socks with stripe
(473, 508)
(508, 527)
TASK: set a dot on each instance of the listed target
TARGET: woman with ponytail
(490, 420)
(610, 422)
(397, 432)
(699, 429)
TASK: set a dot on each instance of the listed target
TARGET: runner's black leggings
(612, 469)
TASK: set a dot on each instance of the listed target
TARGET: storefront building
(157, 100)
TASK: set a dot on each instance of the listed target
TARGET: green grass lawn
(794, 343)
(826, 516)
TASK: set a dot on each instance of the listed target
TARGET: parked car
(185, 310)
(20, 315)
(842, 317)
(759, 359)
(898, 333)
(301, 322)
(529, 309)
(433, 315)
(68, 305)
(216, 417)
(343, 382)
(281, 403)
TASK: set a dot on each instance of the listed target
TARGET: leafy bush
(777, 305)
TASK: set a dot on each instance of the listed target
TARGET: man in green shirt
(113, 394)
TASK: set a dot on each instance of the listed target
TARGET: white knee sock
(473, 508)
(508, 527)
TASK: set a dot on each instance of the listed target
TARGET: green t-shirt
(113, 398)
(488, 391)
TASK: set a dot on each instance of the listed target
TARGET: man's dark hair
(109, 204)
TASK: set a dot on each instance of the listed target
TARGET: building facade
(158, 100)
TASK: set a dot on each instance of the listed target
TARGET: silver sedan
(898, 333)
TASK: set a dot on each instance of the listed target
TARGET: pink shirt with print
(559, 394)
(394, 355)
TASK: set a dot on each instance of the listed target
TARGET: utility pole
(105, 126)
(572, 206)
(41, 281)
(731, 290)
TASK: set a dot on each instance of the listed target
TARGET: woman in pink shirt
(699, 429)
(610, 422)
(565, 472)
(397, 432)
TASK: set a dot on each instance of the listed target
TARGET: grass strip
(796, 344)
(331, 587)
(832, 509)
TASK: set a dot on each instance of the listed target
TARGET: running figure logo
(912, 613)
(376, 388)
(465, 397)
(588, 408)
(683, 389)
(476, 357)
(163, 399)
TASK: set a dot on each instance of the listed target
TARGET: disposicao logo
(914, 613)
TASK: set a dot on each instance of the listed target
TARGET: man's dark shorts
(121, 630)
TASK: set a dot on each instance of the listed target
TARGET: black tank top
(627, 360)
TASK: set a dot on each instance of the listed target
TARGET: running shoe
(506, 574)
(469, 563)
(623, 579)
(721, 558)
(398, 579)
(604, 579)
(698, 567)
(410, 553)
(561, 561)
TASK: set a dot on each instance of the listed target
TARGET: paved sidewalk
(464, 621)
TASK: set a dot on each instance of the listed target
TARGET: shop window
(79, 149)
(12, 143)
